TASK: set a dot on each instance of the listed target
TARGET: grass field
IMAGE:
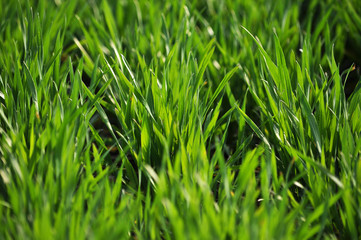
(149, 119)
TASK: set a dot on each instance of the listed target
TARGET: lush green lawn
(146, 119)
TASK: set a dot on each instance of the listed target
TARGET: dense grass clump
(180, 119)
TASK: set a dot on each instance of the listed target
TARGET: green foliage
(179, 119)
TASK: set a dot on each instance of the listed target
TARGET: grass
(180, 119)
